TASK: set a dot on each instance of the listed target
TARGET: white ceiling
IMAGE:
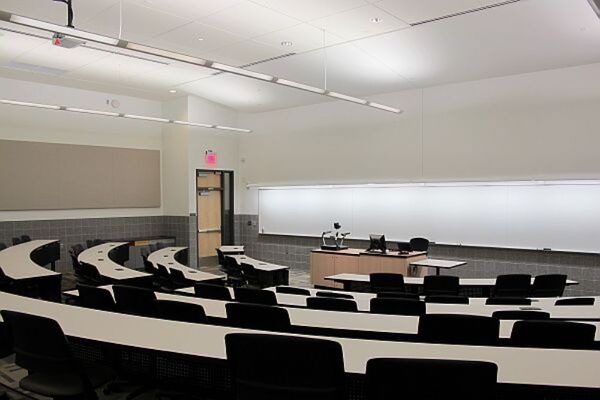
(334, 41)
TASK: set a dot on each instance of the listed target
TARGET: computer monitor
(377, 243)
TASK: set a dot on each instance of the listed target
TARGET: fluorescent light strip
(114, 114)
(33, 23)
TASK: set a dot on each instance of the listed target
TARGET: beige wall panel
(135, 178)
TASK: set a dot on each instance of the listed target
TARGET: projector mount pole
(69, 12)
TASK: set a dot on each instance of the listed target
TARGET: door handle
(209, 230)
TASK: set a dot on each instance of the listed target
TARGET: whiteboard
(562, 216)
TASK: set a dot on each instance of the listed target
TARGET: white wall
(540, 125)
(20, 123)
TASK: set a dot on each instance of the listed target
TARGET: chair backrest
(39, 343)
(249, 273)
(383, 281)
(521, 314)
(553, 334)
(431, 379)
(179, 279)
(275, 367)
(96, 298)
(255, 296)
(390, 305)
(220, 257)
(16, 241)
(89, 243)
(25, 238)
(180, 311)
(508, 301)
(512, 285)
(447, 299)
(419, 244)
(258, 316)
(77, 249)
(215, 292)
(162, 271)
(441, 284)
(2, 246)
(330, 303)
(459, 329)
(551, 285)
(292, 290)
(334, 295)
(149, 267)
(91, 272)
(399, 295)
(134, 300)
(576, 301)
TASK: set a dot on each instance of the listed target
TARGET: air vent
(38, 69)
(259, 62)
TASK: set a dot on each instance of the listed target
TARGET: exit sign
(210, 158)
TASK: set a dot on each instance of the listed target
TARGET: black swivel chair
(149, 266)
(459, 329)
(276, 367)
(6, 349)
(258, 316)
(91, 274)
(292, 290)
(444, 285)
(508, 301)
(334, 295)
(447, 299)
(521, 315)
(331, 304)
(386, 282)
(2, 246)
(180, 311)
(255, 296)
(163, 277)
(42, 348)
(178, 279)
(419, 244)
(431, 379)
(16, 241)
(6, 284)
(512, 285)
(220, 257)
(134, 300)
(233, 271)
(250, 276)
(398, 295)
(388, 305)
(214, 292)
(96, 298)
(553, 334)
(25, 238)
(576, 301)
(551, 285)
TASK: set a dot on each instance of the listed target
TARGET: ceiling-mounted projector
(66, 42)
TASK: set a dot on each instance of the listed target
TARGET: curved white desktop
(257, 264)
(166, 257)
(98, 257)
(17, 264)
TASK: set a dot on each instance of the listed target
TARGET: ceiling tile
(246, 52)
(186, 39)
(307, 10)
(13, 45)
(172, 76)
(48, 55)
(139, 23)
(249, 20)
(411, 11)
(114, 69)
(192, 9)
(356, 23)
(304, 37)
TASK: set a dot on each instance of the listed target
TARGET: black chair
(508, 301)
(91, 274)
(149, 267)
(6, 349)
(220, 258)
(258, 316)
(521, 314)
(214, 292)
(2, 246)
(16, 241)
(447, 299)
(331, 304)
(444, 285)
(459, 329)
(512, 285)
(430, 379)
(419, 244)
(277, 367)
(89, 243)
(96, 298)
(25, 238)
(42, 348)
(335, 295)
(233, 271)
(250, 276)
(398, 295)
(388, 305)
(178, 279)
(6, 284)
(553, 334)
(180, 311)
(292, 290)
(134, 300)
(255, 296)
(551, 285)
(576, 301)
(386, 282)
(163, 277)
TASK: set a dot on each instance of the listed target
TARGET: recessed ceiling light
(200, 39)
(172, 91)
(287, 43)
(376, 20)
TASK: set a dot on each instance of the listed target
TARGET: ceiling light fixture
(114, 114)
(200, 39)
(53, 28)
(376, 20)
(172, 91)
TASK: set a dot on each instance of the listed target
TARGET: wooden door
(209, 214)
